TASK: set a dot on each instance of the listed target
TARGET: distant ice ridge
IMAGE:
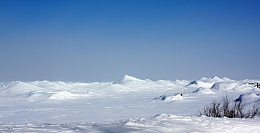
(58, 90)
(44, 90)
(226, 86)
(208, 82)
(127, 79)
(130, 83)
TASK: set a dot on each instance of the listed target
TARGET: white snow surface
(126, 105)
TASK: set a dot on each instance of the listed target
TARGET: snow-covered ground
(127, 105)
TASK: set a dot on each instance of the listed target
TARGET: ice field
(126, 105)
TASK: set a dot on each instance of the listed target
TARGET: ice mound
(181, 82)
(63, 95)
(227, 79)
(127, 79)
(19, 88)
(212, 79)
(165, 116)
(224, 86)
(129, 83)
(202, 90)
(244, 87)
(55, 85)
(45, 90)
(170, 98)
(41, 96)
(38, 96)
(200, 83)
(207, 82)
(249, 98)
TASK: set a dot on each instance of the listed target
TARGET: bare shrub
(255, 111)
(226, 108)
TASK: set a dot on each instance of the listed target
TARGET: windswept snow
(162, 123)
(126, 105)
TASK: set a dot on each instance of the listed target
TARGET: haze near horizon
(101, 40)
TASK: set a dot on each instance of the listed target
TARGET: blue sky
(102, 40)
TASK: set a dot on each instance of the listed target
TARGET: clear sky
(102, 40)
